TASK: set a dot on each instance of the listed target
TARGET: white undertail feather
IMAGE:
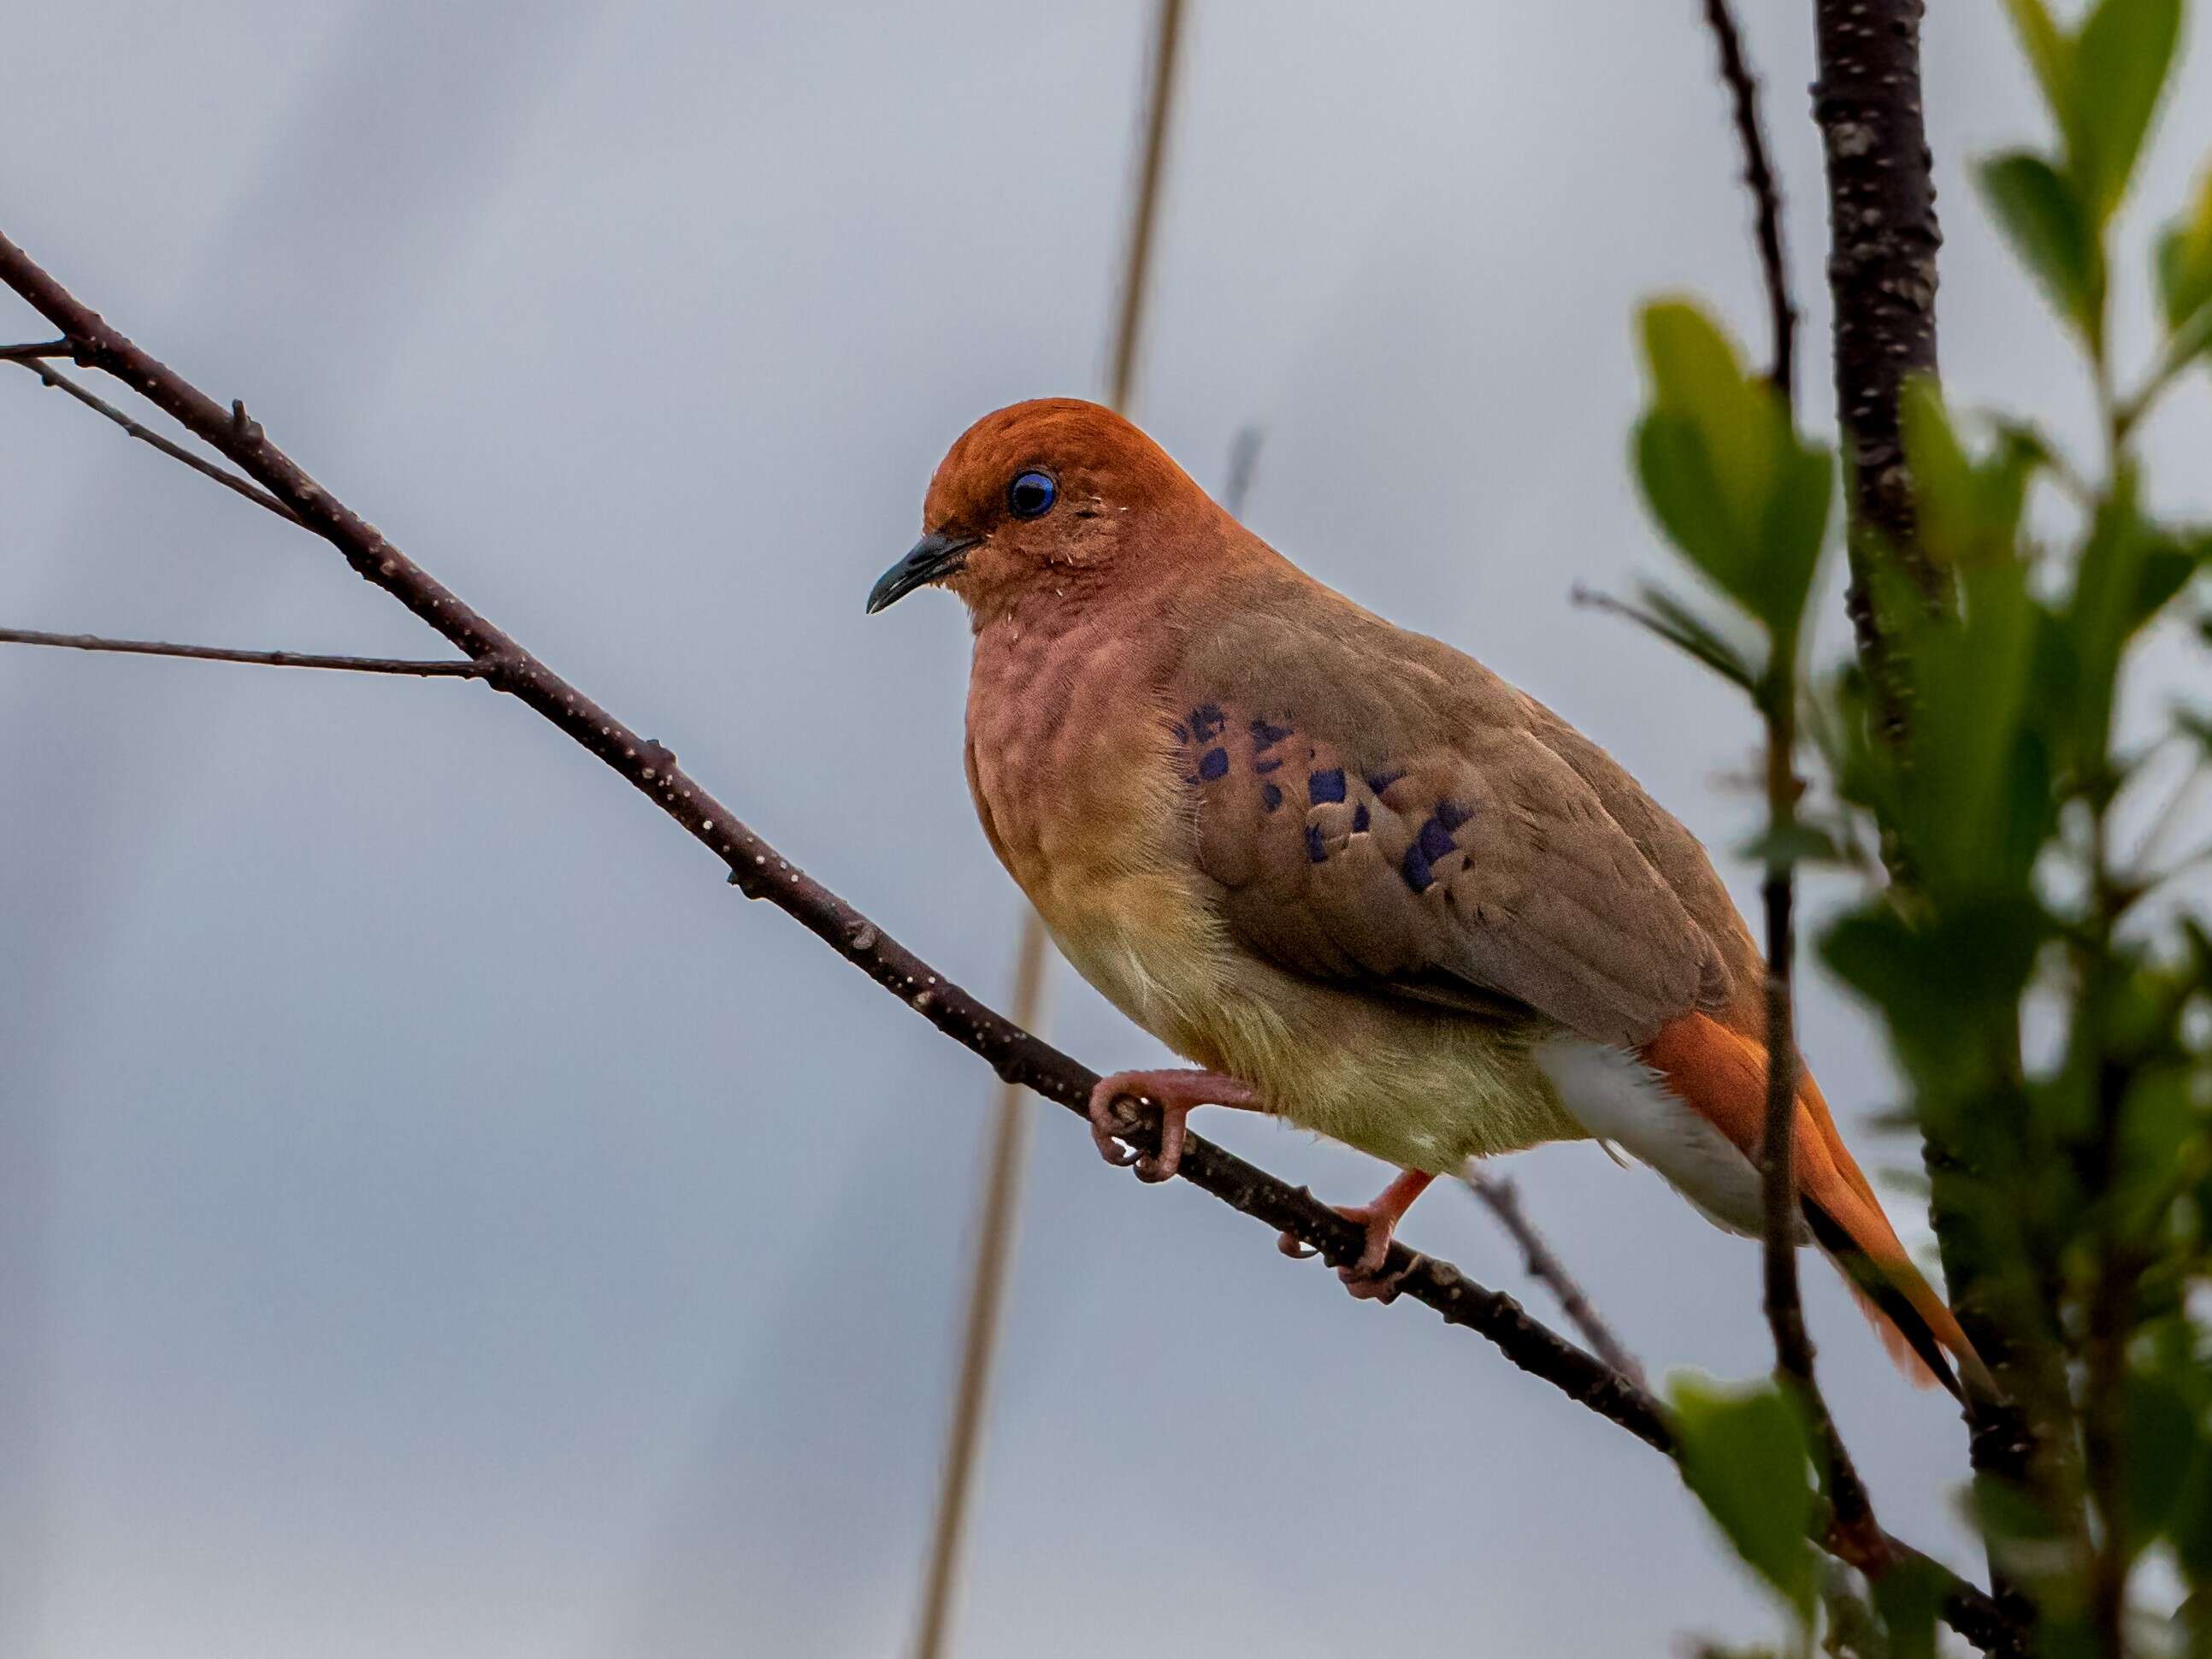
(1617, 1098)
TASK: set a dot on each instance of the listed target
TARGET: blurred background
(437, 1216)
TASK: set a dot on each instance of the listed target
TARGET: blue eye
(1031, 496)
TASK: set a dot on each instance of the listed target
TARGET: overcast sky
(436, 1215)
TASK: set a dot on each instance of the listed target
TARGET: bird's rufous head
(1055, 494)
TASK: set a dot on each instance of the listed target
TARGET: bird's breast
(1075, 775)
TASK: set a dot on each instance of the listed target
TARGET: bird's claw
(1110, 1118)
(1366, 1275)
(1113, 1114)
(1116, 1104)
(1116, 1111)
(1373, 1284)
(1163, 1164)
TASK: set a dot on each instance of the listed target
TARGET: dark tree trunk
(1883, 239)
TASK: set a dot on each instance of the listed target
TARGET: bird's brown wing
(1378, 809)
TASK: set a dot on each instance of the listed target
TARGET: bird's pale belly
(1423, 1090)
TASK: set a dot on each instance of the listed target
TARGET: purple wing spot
(1451, 814)
(1265, 736)
(1378, 782)
(1316, 849)
(1415, 866)
(1270, 797)
(1327, 786)
(1212, 763)
(1434, 840)
(1206, 721)
(1267, 766)
(1359, 819)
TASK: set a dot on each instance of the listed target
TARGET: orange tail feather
(1720, 1075)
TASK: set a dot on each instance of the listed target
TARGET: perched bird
(1356, 878)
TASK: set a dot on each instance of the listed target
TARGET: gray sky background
(436, 1215)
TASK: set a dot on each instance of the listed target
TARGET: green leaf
(2170, 561)
(2121, 60)
(1933, 981)
(2128, 571)
(1796, 527)
(1942, 476)
(1798, 841)
(1908, 1597)
(1725, 474)
(1706, 449)
(2052, 235)
(1688, 632)
(2185, 259)
(1984, 701)
(1969, 510)
(2163, 1444)
(1743, 1453)
(2190, 1522)
(2158, 1120)
(2051, 53)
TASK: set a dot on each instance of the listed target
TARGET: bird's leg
(1174, 1092)
(1365, 1277)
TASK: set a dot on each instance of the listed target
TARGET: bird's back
(1377, 811)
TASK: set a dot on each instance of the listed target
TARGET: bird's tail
(1720, 1075)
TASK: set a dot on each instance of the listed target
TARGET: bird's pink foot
(1365, 1277)
(1113, 1112)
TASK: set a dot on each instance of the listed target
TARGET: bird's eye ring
(1031, 495)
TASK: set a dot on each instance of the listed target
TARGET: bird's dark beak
(933, 558)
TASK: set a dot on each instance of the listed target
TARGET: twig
(1766, 196)
(1243, 467)
(1136, 271)
(1859, 1539)
(994, 1250)
(24, 353)
(759, 871)
(260, 498)
(1862, 1541)
(1033, 951)
(459, 670)
(1504, 1197)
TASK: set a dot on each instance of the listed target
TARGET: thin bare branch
(441, 669)
(761, 872)
(1855, 1535)
(1504, 1197)
(24, 353)
(260, 498)
(1766, 195)
(1136, 271)
(1853, 1531)
(1243, 468)
(994, 1248)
